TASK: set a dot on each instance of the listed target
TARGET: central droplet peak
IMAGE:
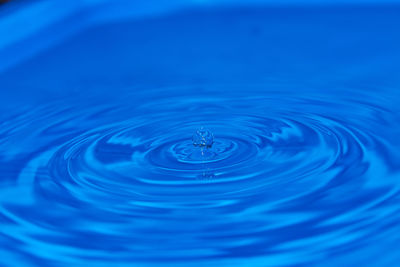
(203, 138)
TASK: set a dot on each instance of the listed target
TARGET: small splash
(203, 138)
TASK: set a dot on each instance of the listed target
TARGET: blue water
(202, 136)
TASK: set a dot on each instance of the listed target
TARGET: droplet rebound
(203, 138)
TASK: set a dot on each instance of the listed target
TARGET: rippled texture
(299, 173)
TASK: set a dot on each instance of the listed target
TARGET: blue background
(99, 101)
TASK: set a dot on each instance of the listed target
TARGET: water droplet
(203, 138)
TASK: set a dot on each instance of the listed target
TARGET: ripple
(287, 179)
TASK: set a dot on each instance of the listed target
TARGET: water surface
(99, 168)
